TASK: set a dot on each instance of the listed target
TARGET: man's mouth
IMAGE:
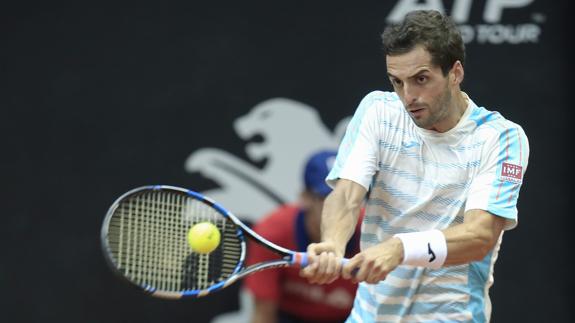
(416, 112)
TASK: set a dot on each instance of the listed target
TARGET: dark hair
(436, 32)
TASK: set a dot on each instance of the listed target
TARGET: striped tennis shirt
(421, 180)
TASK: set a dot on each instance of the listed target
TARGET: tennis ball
(204, 237)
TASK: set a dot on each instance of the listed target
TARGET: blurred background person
(281, 295)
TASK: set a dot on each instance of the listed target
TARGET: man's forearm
(341, 212)
(473, 239)
(463, 243)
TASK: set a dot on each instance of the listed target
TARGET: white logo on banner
(291, 132)
(492, 31)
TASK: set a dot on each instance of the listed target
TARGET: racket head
(144, 240)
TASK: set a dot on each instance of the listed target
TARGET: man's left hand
(374, 263)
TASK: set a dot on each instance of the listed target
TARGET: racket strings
(205, 270)
(147, 238)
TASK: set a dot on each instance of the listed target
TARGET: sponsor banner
(492, 27)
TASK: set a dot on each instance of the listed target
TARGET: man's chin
(419, 121)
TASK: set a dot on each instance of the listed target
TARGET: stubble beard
(438, 111)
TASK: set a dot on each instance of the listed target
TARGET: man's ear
(457, 73)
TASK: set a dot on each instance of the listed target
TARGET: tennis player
(443, 176)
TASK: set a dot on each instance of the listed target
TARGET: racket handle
(300, 259)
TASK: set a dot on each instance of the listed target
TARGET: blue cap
(317, 169)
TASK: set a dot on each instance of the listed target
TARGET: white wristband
(424, 249)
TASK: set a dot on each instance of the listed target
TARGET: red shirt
(294, 294)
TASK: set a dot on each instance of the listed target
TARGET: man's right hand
(340, 213)
(324, 263)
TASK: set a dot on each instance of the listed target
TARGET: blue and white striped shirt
(421, 180)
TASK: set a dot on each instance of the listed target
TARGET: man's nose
(410, 95)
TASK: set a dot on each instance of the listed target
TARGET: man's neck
(458, 104)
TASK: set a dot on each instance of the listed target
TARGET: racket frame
(288, 257)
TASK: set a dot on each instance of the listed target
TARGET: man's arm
(340, 213)
(339, 218)
(474, 238)
(470, 241)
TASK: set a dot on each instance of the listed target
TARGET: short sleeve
(496, 187)
(358, 152)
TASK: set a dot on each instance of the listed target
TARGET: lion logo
(281, 134)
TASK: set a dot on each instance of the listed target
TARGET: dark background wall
(96, 100)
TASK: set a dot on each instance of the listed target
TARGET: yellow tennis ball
(204, 237)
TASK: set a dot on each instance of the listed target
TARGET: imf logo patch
(511, 173)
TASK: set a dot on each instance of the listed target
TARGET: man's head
(437, 33)
(424, 56)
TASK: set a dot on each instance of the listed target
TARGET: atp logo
(491, 30)
(291, 132)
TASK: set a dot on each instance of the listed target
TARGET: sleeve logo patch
(511, 173)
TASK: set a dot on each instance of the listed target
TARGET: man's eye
(421, 79)
(396, 82)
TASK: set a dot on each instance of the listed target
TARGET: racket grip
(300, 259)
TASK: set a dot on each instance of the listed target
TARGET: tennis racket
(144, 241)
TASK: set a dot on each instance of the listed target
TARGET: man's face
(424, 91)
